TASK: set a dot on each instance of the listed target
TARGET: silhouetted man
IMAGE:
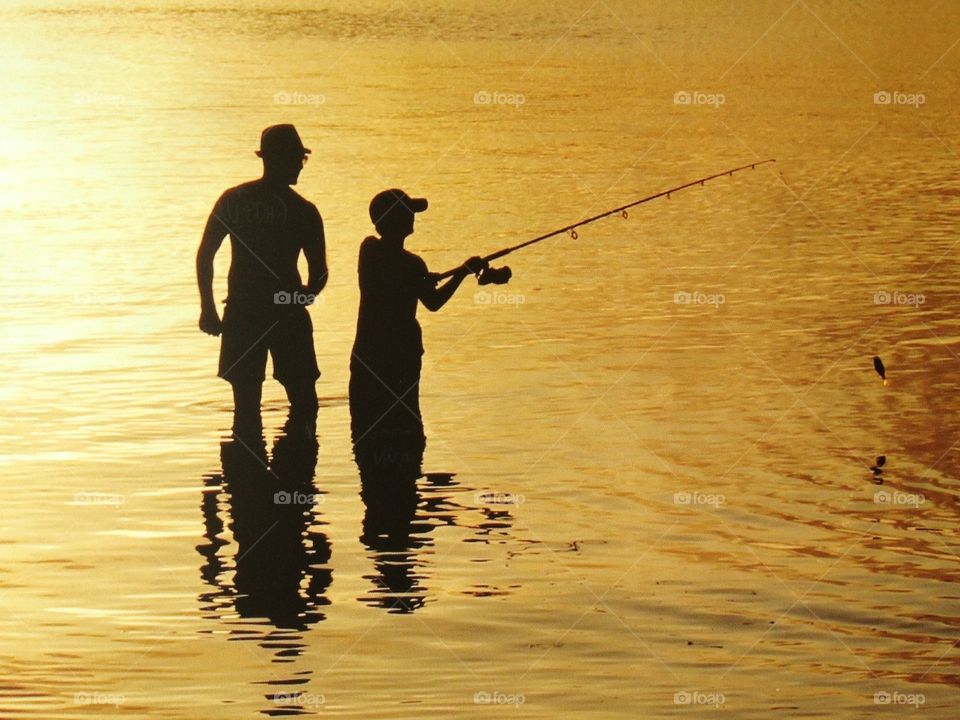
(269, 225)
(386, 359)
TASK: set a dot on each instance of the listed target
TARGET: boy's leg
(409, 417)
(385, 396)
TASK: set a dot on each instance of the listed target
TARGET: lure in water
(881, 370)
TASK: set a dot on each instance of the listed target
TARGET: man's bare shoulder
(237, 193)
(303, 204)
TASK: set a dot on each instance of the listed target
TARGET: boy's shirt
(390, 284)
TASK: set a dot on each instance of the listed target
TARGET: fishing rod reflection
(276, 570)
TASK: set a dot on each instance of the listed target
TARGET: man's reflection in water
(279, 572)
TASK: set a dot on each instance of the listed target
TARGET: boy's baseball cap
(391, 201)
(281, 140)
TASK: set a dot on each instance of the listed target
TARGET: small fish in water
(881, 370)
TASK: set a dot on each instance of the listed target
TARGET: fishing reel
(494, 276)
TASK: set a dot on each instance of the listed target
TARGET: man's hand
(210, 322)
(308, 297)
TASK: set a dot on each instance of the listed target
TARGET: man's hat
(392, 201)
(281, 140)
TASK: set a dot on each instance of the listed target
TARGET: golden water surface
(648, 487)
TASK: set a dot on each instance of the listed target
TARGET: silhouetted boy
(269, 225)
(386, 359)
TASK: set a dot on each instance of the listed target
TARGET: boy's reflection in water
(389, 464)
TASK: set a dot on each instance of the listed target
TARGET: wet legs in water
(246, 408)
(303, 407)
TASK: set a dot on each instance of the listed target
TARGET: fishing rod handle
(463, 269)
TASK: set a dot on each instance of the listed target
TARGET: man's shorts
(286, 334)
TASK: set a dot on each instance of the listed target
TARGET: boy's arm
(213, 235)
(315, 250)
(435, 297)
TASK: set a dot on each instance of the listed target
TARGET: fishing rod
(500, 276)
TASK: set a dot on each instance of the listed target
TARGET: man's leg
(295, 367)
(246, 407)
(304, 405)
(243, 357)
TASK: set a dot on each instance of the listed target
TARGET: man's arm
(213, 235)
(315, 250)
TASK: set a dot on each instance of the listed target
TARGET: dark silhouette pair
(269, 225)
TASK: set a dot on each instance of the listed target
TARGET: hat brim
(305, 151)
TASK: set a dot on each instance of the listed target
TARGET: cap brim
(416, 204)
